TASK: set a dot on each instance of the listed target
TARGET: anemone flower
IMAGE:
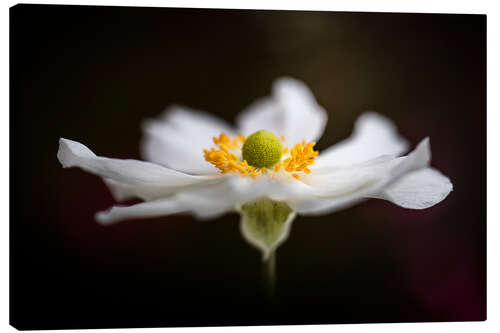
(265, 168)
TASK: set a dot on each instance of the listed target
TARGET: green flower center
(262, 149)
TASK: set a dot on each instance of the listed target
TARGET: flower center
(262, 149)
(261, 153)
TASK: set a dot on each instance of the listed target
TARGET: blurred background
(91, 74)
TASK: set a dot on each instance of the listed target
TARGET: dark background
(91, 74)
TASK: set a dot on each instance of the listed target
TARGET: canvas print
(216, 167)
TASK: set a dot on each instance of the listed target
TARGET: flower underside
(262, 153)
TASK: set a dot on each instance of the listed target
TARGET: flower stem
(270, 275)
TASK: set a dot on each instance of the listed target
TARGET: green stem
(270, 275)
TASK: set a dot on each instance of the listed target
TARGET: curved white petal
(126, 177)
(177, 139)
(418, 189)
(342, 187)
(173, 153)
(374, 135)
(292, 111)
(123, 191)
(140, 210)
(190, 200)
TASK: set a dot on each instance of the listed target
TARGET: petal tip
(373, 121)
(286, 81)
(71, 151)
(422, 152)
(370, 116)
(64, 154)
(420, 189)
(289, 85)
(103, 217)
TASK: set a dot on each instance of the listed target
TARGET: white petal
(418, 190)
(177, 139)
(374, 135)
(223, 196)
(263, 114)
(140, 210)
(123, 191)
(201, 206)
(135, 175)
(292, 111)
(342, 187)
(233, 191)
(172, 152)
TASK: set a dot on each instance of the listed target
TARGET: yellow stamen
(225, 142)
(301, 156)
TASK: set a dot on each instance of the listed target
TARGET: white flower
(187, 173)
